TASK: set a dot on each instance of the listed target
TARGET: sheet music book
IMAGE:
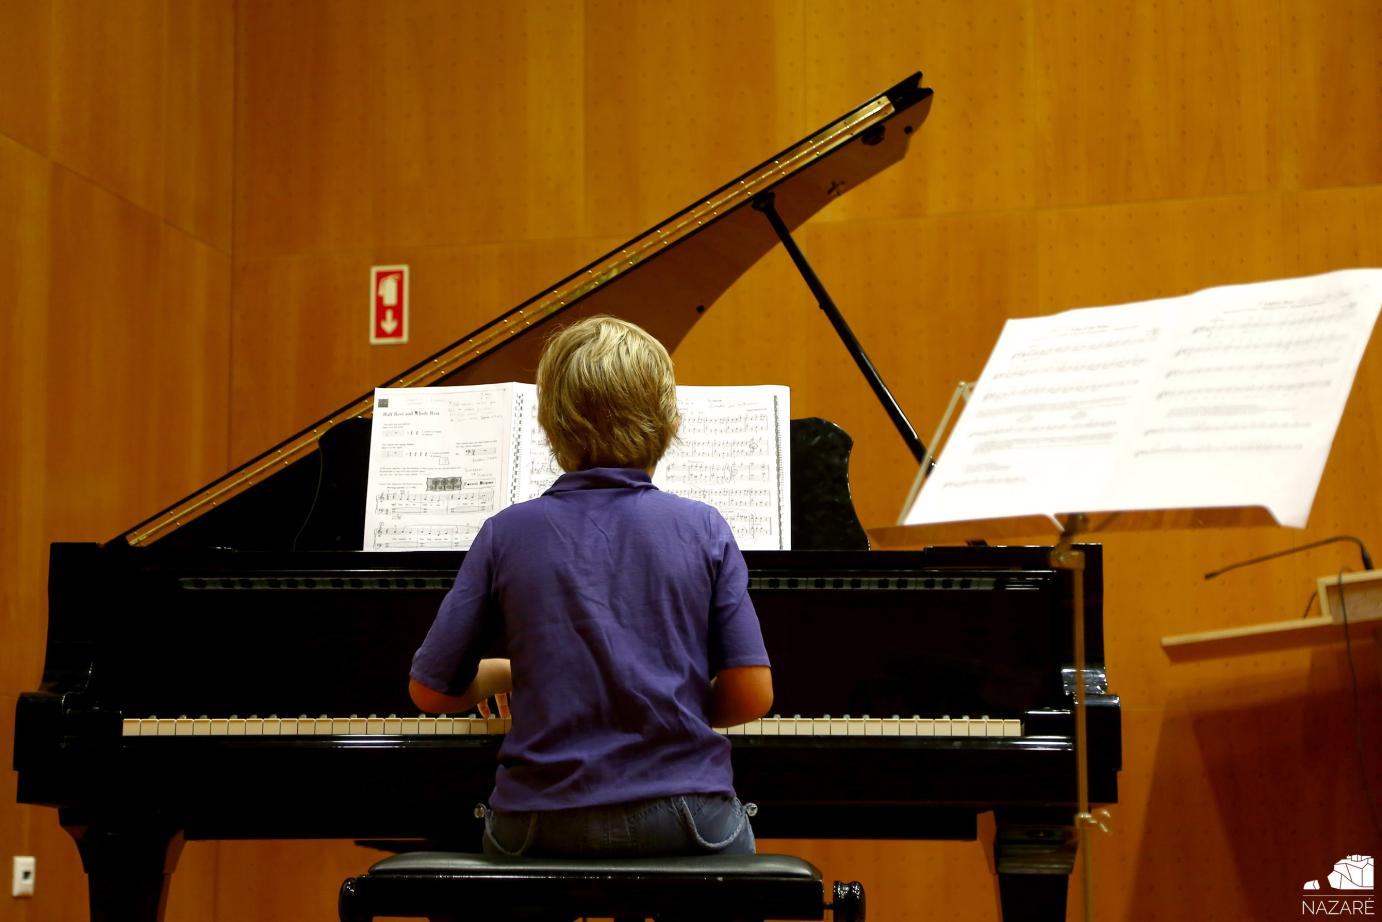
(1228, 397)
(444, 459)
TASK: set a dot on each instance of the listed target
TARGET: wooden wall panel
(25, 52)
(24, 242)
(1330, 94)
(479, 143)
(151, 308)
(664, 123)
(1169, 99)
(107, 92)
(976, 151)
(199, 119)
(301, 163)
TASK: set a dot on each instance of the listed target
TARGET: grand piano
(234, 666)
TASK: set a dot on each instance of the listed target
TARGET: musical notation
(482, 448)
(433, 485)
(733, 452)
(1226, 397)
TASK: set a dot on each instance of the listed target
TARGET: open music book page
(1228, 397)
(444, 459)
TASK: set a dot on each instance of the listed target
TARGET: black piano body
(234, 666)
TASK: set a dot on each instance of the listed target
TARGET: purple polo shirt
(617, 603)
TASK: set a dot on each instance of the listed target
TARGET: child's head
(606, 395)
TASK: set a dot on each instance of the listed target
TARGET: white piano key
(497, 726)
(873, 727)
(201, 727)
(182, 726)
(393, 726)
(1012, 728)
(770, 726)
(427, 726)
(356, 726)
(891, 726)
(408, 726)
(130, 726)
(854, 726)
(374, 726)
(235, 726)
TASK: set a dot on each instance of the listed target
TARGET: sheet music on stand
(1218, 407)
(1213, 409)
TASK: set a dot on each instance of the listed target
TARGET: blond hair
(606, 395)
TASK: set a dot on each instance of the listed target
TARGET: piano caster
(848, 904)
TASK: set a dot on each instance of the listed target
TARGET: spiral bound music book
(444, 459)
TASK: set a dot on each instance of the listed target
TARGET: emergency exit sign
(388, 305)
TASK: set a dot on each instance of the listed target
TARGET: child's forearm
(493, 677)
(740, 694)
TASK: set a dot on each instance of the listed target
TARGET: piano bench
(713, 887)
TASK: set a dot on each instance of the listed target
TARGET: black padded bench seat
(454, 884)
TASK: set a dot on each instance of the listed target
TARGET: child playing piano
(626, 617)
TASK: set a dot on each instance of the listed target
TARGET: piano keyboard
(494, 726)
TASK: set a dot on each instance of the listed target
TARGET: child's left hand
(500, 707)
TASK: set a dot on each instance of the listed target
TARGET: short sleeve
(468, 617)
(736, 639)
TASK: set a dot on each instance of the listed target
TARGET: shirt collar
(602, 478)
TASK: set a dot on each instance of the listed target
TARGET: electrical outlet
(23, 883)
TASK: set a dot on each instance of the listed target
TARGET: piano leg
(1034, 854)
(128, 865)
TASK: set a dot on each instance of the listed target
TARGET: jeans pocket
(715, 822)
(509, 835)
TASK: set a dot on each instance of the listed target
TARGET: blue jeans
(687, 824)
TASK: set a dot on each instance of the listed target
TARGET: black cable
(1357, 714)
(316, 495)
(1362, 550)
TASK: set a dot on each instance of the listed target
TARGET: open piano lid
(662, 280)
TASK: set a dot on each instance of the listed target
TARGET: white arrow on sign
(388, 324)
